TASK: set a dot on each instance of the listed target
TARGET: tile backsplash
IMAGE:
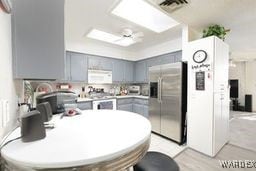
(77, 87)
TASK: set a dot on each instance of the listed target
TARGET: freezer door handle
(160, 89)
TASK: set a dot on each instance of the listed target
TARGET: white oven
(109, 104)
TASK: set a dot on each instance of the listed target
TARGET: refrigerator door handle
(160, 89)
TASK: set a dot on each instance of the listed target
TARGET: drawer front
(84, 105)
(140, 101)
(125, 107)
(124, 101)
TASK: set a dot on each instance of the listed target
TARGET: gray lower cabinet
(126, 107)
(145, 110)
(38, 39)
(138, 108)
(136, 105)
(125, 104)
(84, 105)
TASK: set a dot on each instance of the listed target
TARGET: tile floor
(242, 146)
(165, 146)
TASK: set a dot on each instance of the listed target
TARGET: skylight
(110, 38)
(144, 14)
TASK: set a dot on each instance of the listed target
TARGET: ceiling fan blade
(138, 34)
(137, 39)
(122, 38)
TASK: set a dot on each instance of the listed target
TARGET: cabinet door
(101, 63)
(67, 66)
(84, 105)
(140, 71)
(106, 64)
(145, 111)
(128, 73)
(78, 67)
(178, 56)
(167, 58)
(94, 62)
(125, 107)
(118, 70)
(38, 39)
(138, 109)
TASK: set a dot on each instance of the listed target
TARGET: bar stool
(155, 161)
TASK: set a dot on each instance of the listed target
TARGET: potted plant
(215, 30)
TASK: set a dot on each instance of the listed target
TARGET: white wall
(159, 49)
(245, 73)
(121, 53)
(238, 72)
(250, 77)
(99, 49)
(7, 85)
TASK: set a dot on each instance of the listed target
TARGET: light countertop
(92, 137)
(111, 97)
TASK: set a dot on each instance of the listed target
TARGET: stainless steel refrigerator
(168, 100)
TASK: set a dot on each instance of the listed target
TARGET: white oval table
(95, 140)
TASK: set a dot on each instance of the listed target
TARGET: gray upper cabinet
(118, 70)
(128, 73)
(78, 67)
(38, 39)
(101, 63)
(140, 74)
(67, 66)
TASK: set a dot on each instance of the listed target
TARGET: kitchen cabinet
(138, 108)
(145, 110)
(118, 70)
(78, 67)
(100, 63)
(122, 71)
(84, 105)
(128, 73)
(125, 104)
(38, 39)
(67, 66)
(140, 74)
(126, 107)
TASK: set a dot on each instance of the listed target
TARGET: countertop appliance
(32, 126)
(45, 110)
(134, 90)
(104, 104)
(57, 100)
(168, 100)
(99, 77)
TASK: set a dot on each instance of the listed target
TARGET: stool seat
(155, 161)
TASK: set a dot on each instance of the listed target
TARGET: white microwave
(99, 77)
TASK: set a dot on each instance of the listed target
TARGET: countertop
(112, 97)
(93, 136)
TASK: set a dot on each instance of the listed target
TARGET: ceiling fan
(129, 35)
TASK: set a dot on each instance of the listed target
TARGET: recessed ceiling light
(144, 14)
(110, 38)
